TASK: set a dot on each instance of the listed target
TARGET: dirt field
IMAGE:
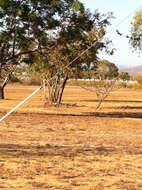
(72, 147)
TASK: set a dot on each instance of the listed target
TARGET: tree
(106, 70)
(73, 49)
(136, 31)
(24, 26)
(124, 76)
(107, 74)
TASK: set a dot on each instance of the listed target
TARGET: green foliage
(27, 31)
(25, 28)
(24, 24)
(136, 32)
(77, 6)
(75, 36)
(49, 35)
(68, 53)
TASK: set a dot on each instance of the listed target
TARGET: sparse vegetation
(138, 79)
(71, 147)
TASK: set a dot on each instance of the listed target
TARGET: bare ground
(73, 147)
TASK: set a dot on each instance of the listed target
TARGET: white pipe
(21, 103)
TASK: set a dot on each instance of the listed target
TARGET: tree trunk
(55, 91)
(3, 86)
(1, 92)
(62, 90)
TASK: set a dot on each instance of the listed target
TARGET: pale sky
(124, 11)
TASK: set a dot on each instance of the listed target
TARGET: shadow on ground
(115, 114)
(15, 150)
(126, 107)
(68, 151)
(114, 101)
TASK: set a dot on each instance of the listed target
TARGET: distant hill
(133, 71)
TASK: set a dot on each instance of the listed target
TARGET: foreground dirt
(66, 149)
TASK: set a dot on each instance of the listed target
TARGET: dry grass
(72, 147)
